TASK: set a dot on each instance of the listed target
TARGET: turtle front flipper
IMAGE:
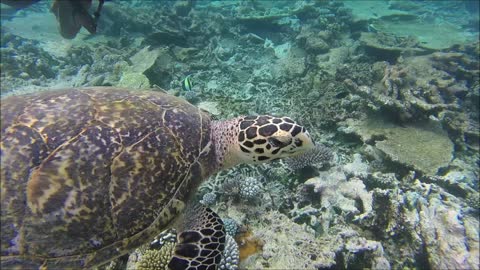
(201, 242)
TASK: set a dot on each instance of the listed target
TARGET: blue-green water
(389, 91)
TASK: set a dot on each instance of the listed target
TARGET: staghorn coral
(319, 156)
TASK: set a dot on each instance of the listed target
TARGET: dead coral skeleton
(393, 78)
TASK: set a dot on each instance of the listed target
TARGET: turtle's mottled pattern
(203, 242)
(101, 172)
(89, 174)
(255, 135)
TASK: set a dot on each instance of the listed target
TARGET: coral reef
(250, 188)
(156, 259)
(334, 194)
(134, 80)
(320, 156)
(424, 147)
(208, 198)
(158, 252)
(24, 63)
(231, 226)
(426, 221)
(400, 19)
(423, 87)
(157, 255)
(231, 255)
(248, 244)
(391, 87)
(209, 106)
(451, 240)
(291, 246)
(237, 186)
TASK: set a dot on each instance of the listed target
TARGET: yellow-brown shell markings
(28, 137)
(88, 169)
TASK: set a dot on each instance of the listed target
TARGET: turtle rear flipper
(202, 241)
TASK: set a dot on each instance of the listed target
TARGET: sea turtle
(89, 174)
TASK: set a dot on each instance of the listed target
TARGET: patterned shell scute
(14, 176)
(68, 192)
(95, 166)
(132, 116)
(9, 112)
(47, 115)
(137, 196)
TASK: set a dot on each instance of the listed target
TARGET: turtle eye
(298, 142)
(275, 142)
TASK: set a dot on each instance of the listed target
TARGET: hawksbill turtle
(89, 174)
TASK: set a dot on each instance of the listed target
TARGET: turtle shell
(89, 174)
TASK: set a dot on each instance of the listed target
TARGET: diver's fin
(201, 242)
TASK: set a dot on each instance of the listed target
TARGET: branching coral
(417, 87)
(237, 186)
(154, 256)
(231, 255)
(250, 188)
(157, 255)
(319, 156)
(231, 226)
(154, 259)
(334, 192)
(209, 199)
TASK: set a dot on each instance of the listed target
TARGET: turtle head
(256, 139)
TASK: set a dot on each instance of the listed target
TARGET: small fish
(372, 29)
(187, 84)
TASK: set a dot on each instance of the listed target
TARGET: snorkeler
(71, 15)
